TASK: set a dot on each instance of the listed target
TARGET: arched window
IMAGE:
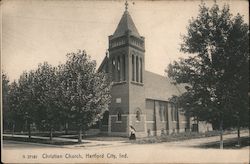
(138, 115)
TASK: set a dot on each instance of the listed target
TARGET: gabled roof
(104, 62)
(159, 87)
(126, 24)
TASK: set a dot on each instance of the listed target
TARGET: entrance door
(105, 122)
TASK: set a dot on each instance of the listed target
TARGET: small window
(138, 116)
(119, 116)
(149, 132)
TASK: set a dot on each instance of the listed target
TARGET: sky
(46, 30)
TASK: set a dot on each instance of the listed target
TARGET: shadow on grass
(42, 141)
(94, 145)
(169, 138)
(99, 137)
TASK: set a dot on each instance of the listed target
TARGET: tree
(5, 96)
(64, 102)
(27, 99)
(216, 69)
(13, 114)
(86, 92)
(46, 93)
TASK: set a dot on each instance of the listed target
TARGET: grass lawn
(228, 144)
(178, 137)
(43, 133)
(146, 140)
(38, 140)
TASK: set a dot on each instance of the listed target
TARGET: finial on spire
(126, 5)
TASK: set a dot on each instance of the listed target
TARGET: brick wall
(119, 126)
(120, 99)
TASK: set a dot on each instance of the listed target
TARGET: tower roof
(126, 24)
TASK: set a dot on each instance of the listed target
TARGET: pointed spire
(126, 24)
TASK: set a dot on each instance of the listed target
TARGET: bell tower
(126, 51)
(126, 67)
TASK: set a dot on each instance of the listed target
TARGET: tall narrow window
(119, 68)
(124, 67)
(138, 116)
(133, 68)
(161, 112)
(137, 69)
(174, 112)
(140, 70)
(119, 116)
(113, 69)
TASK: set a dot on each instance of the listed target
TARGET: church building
(140, 98)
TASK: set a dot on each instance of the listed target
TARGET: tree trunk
(29, 130)
(197, 125)
(13, 128)
(66, 128)
(238, 132)
(50, 134)
(80, 134)
(238, 136)
(221, 134)
(178, 121)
